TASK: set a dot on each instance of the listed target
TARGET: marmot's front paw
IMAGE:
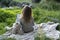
(20, 32)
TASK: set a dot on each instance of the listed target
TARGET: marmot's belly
(27, 29)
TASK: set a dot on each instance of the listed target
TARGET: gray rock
(50, 30)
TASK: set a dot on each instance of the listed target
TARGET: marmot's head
(27, 13)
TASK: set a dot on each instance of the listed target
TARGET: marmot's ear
(30, 5)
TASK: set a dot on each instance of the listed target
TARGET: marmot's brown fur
(26, 13)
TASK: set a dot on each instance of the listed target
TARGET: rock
(3, 37)
(53, 34)
(25, 36)
(50, 30)
(8, 28)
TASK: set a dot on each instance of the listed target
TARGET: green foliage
(2, 28)
(4, 16)
(8, 15)
(7, 18)
(37, 38)
(41, 15)
(50, 5)
(36, 15)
